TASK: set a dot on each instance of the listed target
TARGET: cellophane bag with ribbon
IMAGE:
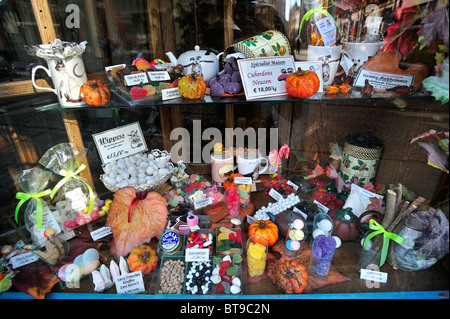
(72, 194)
(38, 215)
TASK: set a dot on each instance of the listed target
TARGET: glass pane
(19, 29)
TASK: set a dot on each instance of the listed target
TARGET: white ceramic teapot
(208, 61)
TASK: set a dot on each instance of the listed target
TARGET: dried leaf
(439, 85)
(436, 158)
(424, 135)
(435, 26)
(148, 218)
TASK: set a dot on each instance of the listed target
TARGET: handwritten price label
(120, 142)
(265, 77)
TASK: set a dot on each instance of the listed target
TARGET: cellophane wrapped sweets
(72, 194)
(38, 217)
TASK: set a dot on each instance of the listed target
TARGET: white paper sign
(168, 94)
(120, 142)
(131, 283)
(294, 186)
(275, 195)
(243, 180)
(373, 275)
(315, 66)
(322, 206)
(196, 254)
(327, 29)
(23, 259)
(135, 78)
(158, 75)
(202, 203)
(265, 77)
(382, 80)
(100, 233)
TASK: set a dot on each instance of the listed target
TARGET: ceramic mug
(330, 57)
(361, 51)
(67, 76)
(221, 168)
(251, 167)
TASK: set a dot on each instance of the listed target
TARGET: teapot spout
(172, 58)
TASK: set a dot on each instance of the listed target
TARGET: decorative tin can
(360, 161)
(267, 43)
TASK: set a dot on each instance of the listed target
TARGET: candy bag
(73, 193)
(38, 215)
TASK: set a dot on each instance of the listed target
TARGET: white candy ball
(107, 168)
(125, 175)
(150, 170)
(113, 174)
(338, 241)
(325, 225)
(317, 232)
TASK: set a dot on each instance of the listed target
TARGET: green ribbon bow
(24, 197)
(69, 175)
(378, 229)
(320, 9)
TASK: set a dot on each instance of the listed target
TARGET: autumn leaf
(434, 26)
(436, 158)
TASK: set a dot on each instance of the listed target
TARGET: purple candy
(317, 250)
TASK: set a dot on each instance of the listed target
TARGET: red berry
(137, 92)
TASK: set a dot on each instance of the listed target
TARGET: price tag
(373, 275)
(265, 77)
(243, 180)
(23, 259)
(196, 254)
(101, 232)
(327, 29)
(294, 186)
(135, 79)
(382, 80)
(131, 283)
(296, 210)
(275, 195)
(120, 142)
(322, 207)
(168, 94)
(158, 75)
(202, 203)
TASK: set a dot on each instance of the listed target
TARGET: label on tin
(169, 240)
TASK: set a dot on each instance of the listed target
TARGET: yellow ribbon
(24, 197)
(320, 9)
(378, 229)
(67, 176)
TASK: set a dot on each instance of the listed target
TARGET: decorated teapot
(206, 59)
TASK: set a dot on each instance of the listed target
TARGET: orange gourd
(142, 258)
(266, 229)
(192, 86)
(95, 92)
(302, 84)
(230, 180)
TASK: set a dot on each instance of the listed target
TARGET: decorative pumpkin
(95, 92)
(345, 224)
(266, 229)
(291, 276)
(302, 84)
(192, 86)
(142, 258)
(230, 180)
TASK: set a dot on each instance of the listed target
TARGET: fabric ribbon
(378, 229)
(323, 10)
(67, 176)
(24, 197)
(138, 197)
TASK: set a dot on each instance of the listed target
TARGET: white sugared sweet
(298, 224)
(338, 241)
(325, 225)
(317, 232)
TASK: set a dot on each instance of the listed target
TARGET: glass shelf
(354, 97)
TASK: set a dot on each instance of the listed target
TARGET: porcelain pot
(208, 61)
